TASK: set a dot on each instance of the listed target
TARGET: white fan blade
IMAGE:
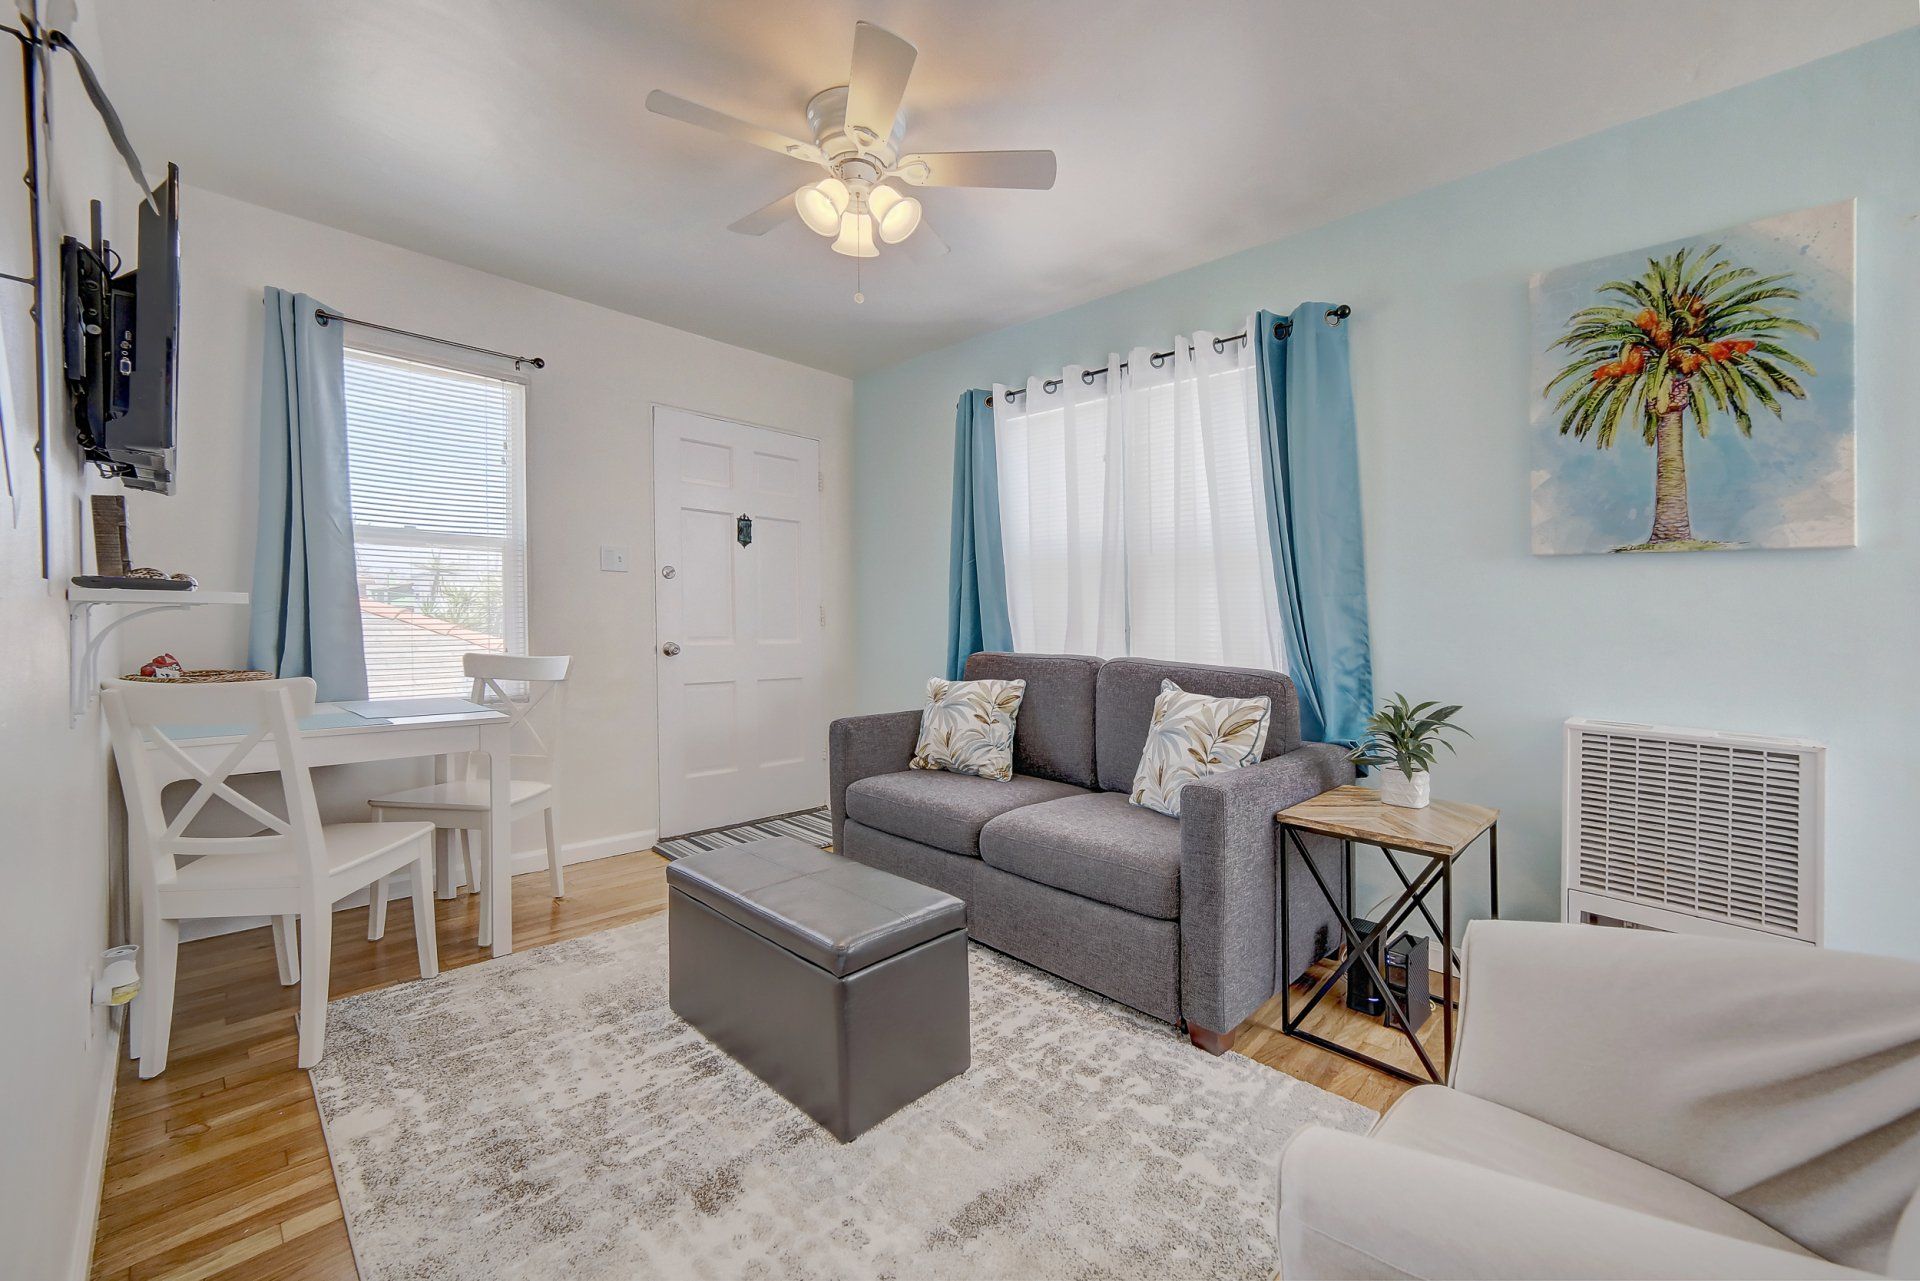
(765, 218)
(1029, 169)
(882, 62)
(923, 245)
(661, 103)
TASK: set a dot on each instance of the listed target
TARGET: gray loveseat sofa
(1174, 917)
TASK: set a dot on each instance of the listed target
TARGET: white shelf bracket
(86, 650)
(83, 680)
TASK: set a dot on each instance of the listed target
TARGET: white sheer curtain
(1132, 509)
(1059, 521)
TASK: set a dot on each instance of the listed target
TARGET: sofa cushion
(1098, 846)
(1450, 1123)
(1194, 737)
(1054, 738)
(967, 727)
(1123, 708)
(945, 810)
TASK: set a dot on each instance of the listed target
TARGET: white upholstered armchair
(1632, 1104)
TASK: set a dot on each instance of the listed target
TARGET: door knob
(670, 648)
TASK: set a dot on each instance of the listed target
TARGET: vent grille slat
(1721, 831)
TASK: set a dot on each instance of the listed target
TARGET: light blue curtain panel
(1310, 459)
(977, 576)
(306, 591)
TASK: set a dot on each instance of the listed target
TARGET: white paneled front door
(739, 618)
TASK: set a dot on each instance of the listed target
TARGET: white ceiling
(1186, 130)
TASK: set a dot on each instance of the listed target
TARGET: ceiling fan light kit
(853, 214)
(856, 236)
(896, 215)
(822, 204)
(856, 129)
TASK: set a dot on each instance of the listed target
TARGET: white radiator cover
(1694, 831)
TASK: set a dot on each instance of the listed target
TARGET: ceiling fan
(856, 129)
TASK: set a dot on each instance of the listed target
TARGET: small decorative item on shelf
(113, 558)
(160, 577)
(165, 667)
(1400, 742)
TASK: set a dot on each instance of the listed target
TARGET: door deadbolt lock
(667, 571)
(670, 648)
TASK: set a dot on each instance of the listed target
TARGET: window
(436, 458)
(1133, 511)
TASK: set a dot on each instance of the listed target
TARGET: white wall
(589, 483)
(1815, 644)
(589, 474)
(56, 1050)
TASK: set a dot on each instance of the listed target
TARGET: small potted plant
(1400, 743)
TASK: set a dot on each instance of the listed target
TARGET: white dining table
(387, 730)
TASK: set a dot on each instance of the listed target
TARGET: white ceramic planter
(1412, 792)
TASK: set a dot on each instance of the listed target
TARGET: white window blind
(436, 459)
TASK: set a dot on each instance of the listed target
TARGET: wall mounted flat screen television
(121, 327)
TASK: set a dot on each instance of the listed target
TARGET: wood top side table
(1440, 833)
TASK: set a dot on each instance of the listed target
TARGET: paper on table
(388, 709)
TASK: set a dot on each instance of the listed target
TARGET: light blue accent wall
(1815, 644)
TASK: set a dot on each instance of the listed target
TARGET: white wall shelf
(83, 681)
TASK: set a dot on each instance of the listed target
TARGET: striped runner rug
(815, 827)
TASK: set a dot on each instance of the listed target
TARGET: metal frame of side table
(1360, 948)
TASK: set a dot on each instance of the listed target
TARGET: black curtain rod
(324, 316)
(1282, 328)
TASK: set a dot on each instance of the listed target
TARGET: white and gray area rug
(547, 1116)
(814, 826)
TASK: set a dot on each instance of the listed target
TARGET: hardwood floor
(1262, 1040)
(217, 1168)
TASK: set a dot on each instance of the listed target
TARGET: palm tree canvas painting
(1698, 396)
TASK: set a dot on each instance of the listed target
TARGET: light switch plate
(613, 560)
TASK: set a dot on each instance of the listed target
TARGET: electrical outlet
(613, 560)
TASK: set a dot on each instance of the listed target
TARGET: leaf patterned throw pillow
(967, 727)
(1193, 736)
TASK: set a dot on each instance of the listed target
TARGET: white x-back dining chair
(293, 866)
(460, 805)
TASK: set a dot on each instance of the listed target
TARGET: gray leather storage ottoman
(841, 986)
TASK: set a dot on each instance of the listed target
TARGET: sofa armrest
(1770, 1074)
(1229, 851)
(1352, 1207)
(861, 746)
